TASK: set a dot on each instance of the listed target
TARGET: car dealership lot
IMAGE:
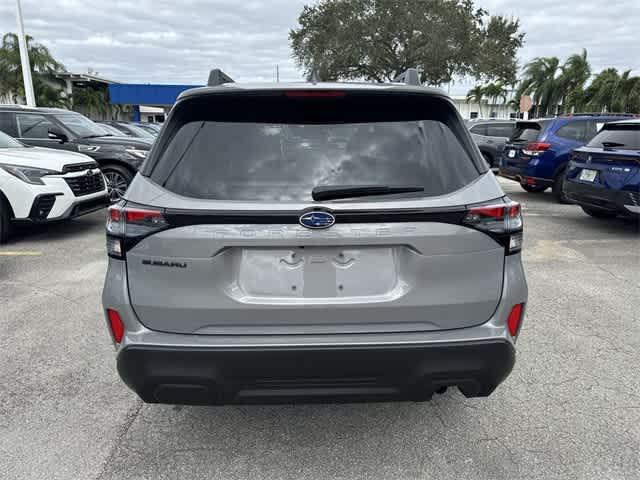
(570, 409)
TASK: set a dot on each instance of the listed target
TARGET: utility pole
(24, 59)
(277, 73)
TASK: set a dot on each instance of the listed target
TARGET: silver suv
(310, 242)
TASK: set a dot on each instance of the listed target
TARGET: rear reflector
(515, 317)
(116, 325)
(314, 94)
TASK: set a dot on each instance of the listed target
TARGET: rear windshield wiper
(350, 191)
(612, 144)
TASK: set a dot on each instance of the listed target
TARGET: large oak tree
(379, 39)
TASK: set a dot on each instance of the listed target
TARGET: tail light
(127, 225)
(116, 325)
(514, 319)
(535, 148)
(502, 221)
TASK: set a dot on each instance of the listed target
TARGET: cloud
(164, 41)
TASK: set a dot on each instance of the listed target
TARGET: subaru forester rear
(299, 242)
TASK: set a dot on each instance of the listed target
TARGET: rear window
(500, 130)
(624, 137)
(528, 131)
(284, 160)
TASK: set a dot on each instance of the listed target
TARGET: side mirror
(57, 134)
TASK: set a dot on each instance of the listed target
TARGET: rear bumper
(597, 197)
(520, 175)
(198, 375)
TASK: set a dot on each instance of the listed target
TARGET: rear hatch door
(234, 189)
(525, 132)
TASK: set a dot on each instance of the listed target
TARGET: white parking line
(19, 254)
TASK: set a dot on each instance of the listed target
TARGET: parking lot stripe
(19, 254)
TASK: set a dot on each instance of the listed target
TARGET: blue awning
(146, 94)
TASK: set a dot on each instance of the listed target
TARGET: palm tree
(43, 70)
(540, 80)
(601, 93)
(476, 95)
(574, 75)
(494, 91)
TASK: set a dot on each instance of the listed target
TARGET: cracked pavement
(569, 410)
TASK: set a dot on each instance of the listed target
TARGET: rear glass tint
(282, 161)
(528, 131)
(624, 137)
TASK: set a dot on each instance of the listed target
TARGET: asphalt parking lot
(569, 410)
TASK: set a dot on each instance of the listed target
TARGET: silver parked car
(305, 242)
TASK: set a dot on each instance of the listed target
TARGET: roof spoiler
(411, 76)
(218, 77)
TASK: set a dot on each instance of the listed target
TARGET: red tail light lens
(502, 221)
(536, 148)
(116, 325)
(514, 319)
(126, 225)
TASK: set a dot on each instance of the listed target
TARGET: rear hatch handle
(334, 192)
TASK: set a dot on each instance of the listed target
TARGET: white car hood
(41, 157)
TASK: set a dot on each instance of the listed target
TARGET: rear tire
(595, 213)
(118, 179)
(533, 188)
(5, 220)
(558, 193)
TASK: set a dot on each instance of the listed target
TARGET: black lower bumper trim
(88, 206)
(599, 198)
(319, 374)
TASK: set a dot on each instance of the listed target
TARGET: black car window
(8, 124)
(619, 136)
(576, 131)
(33, 125)
(500, 130)
(480, 129)
(529, 131)
(284, 162)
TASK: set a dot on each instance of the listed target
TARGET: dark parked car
(604, 176)
(129, 129)
(152, 128)
(118, 157)
(491, 137)
(538, 152)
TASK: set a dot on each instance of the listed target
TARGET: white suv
(42, 185)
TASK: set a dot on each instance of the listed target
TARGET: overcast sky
(179, 41)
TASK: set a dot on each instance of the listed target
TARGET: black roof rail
(597, 114)
(411, 76)
(218, 77)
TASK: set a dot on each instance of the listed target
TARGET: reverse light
(535, 148)
(514, 319)
(116, 325)
(501, 221)
(127, 225)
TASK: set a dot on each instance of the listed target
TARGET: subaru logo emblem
(317, 219)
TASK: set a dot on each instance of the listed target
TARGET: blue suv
(603, 177)
(537, 154)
